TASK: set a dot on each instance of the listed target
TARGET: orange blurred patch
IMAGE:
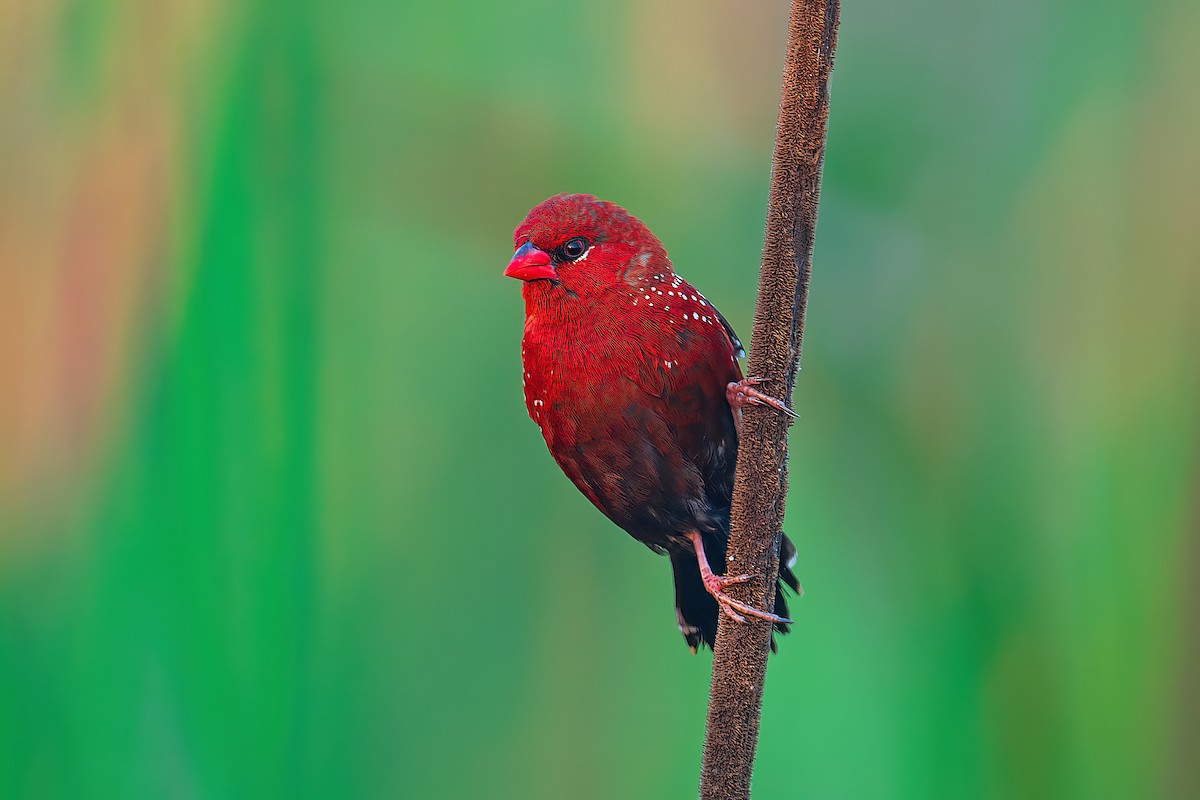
(85, 212)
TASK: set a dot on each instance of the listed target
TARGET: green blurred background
(273, 522)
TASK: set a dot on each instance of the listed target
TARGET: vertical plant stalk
(740, 658)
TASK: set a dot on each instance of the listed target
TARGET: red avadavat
(633, 378)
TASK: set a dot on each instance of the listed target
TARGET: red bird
(633, 378)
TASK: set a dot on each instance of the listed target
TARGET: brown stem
(740, 660)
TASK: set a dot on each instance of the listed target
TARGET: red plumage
(626, 371)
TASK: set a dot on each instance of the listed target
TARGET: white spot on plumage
(695, 315)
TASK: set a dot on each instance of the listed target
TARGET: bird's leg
(716, 584)
(742, 393)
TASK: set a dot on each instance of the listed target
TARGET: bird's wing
(684, 379)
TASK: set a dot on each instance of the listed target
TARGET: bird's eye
(574, 248)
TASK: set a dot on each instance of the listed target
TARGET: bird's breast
(566, 384)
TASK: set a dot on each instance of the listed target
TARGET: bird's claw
(729, 612)
(742, 393)
(725, 581)
(715, 583)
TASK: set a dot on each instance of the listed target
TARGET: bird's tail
(696, 610)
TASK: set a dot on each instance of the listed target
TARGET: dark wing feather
(738, 350)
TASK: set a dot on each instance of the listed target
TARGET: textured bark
(740, 660)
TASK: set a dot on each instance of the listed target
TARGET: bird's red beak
(530, 264)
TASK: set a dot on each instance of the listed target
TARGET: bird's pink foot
(742, 393)
(716, 585)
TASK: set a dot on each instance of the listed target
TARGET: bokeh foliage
(273, 522)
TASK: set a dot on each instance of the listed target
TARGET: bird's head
(579, 246)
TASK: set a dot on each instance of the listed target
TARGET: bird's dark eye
(574, 248)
